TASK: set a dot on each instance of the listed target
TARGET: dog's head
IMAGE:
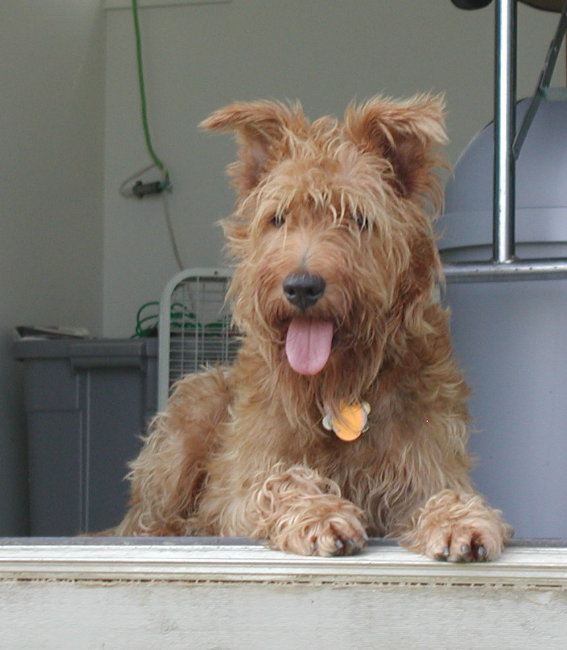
(331, 233)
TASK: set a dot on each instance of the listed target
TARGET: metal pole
(504, 132)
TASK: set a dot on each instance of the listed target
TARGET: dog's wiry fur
(241, 451)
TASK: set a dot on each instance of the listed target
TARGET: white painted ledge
(178, 595)
(383, 564)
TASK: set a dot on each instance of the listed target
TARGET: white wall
(71, 133)
(201, 56)
(50, 195)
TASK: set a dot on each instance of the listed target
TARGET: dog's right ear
(262, 129)
(406, 134)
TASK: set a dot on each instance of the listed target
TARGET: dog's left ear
(406, 134)
(261, 128)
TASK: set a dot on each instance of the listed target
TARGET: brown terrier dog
(344, 414)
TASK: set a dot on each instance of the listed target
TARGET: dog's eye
(278, 220)
(360, 220)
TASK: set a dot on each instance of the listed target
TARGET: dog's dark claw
(351, 547)
(347, 547)
(481, 553)
(443, 555)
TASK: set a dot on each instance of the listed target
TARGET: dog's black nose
(303, 290)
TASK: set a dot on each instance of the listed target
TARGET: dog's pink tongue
(308, 345)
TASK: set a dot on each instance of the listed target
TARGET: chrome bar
(504, 132)
(517, 270)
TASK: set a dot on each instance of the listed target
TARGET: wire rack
(195, 328)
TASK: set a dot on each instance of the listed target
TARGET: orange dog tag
(350, 423)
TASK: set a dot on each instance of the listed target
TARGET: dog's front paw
(329, 527)
(458, 527)
(338, 535)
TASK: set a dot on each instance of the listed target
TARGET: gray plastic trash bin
(87, 403)
(511, 337)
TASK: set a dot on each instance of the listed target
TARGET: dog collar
(350, 423)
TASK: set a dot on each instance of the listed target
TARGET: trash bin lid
(102, 349)
(547, 5)
(541, 187)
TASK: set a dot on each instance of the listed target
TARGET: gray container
(87, 404)
(511, 337)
